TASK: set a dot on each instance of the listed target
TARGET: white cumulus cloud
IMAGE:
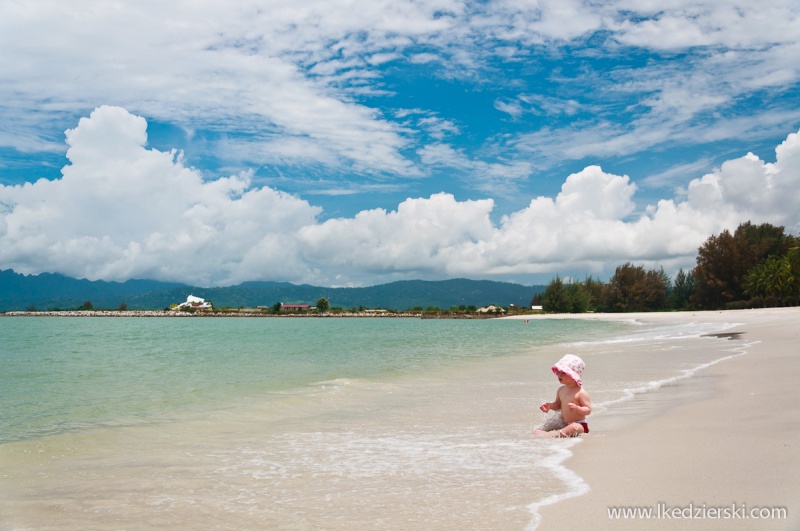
(121, 210)
(124, 211)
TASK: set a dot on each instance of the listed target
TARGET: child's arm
(547, 406)
(584, 404)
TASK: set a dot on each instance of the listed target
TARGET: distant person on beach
(572, 401)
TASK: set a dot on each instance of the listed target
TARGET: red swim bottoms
(585, 426)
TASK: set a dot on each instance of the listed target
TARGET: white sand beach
(718, 449)
(447, 446)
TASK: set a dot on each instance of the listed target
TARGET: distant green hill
(48, 291)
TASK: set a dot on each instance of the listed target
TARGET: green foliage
(323, 304)
(666, 281)
(555, 297)
(723, 261)
(578, 298)
(682, 290)
(536, 300)
(632, 289)
(566, 298)
(778, 278)
(597, 292)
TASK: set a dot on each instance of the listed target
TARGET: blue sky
(359, 142)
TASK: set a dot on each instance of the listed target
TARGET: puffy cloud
(421, 236)
(752, 189)
(590, 227)
(122, 211)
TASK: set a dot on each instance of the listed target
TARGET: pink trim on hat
(572, 366)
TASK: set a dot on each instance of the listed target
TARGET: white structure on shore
(491, 309)
(195, 303)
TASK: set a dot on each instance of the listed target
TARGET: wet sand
(451, 449)
(705, 452)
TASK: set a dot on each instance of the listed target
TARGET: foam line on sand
(723, 453)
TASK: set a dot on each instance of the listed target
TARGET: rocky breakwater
(171, 313)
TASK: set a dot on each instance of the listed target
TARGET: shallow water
(305, 423)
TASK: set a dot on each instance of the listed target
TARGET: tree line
(756, 266)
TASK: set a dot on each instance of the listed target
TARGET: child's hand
(572, 406)
(545, 407)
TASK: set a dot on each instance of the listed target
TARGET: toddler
(572, 401)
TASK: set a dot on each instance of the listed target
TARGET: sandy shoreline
(726, 438)
(451, 448)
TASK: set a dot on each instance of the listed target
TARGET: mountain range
(49, 291)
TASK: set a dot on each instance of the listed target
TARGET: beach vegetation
(322, 304)
(633, 289)
(682, 290)
(572, 297)
(578, 298)
(778, 277)
(596, 291)
(667, 282)
(724, 261)
(556, 298)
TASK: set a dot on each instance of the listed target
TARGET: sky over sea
(358, 142)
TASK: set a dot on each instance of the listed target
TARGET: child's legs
(572, 430)
(552, 423)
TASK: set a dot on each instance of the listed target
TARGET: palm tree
(778, 276)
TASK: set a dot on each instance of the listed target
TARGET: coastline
(710, 448)
(445, 448)
(171, 313)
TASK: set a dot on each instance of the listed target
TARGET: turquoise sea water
(61, 374)
(307, 423)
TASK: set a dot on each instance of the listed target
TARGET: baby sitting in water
(571, 399)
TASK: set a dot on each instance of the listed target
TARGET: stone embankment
(170, 313)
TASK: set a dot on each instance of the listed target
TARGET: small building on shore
(491, 309)
(194, 303)
(295, 307)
